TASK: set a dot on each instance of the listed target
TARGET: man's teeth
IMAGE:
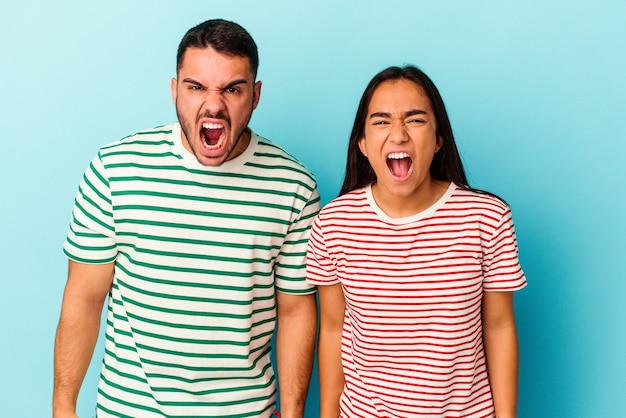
(397, 155)
(212, 126)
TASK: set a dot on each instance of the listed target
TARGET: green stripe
(296, 292)
(207, 214)
(215, 391)
(278, 153)
(88, 260)
(199, 227)
(92, 217)
(294, 254)
(237, 371)
(277, 167)
(97, 173)
(196, 313)
(298, 241)
(75, 222)
(312, 203)
(290, 266)
(141, 154)
(110, 411)
(123, 402)
(211, 378)
(192, 355)
(150, 142)
(192, 340)
(195, 241)
(193, 284)
(170, 296)
(155, 131)
(118, 359)
(201, 342)
(197, 256)
(225, 273)
(93, 188)
(195, 198)
(91, 247)
(206, 173)
(290, 278)
(149, 320)
(210, 186)
(126, 375)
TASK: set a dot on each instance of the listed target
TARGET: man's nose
(213, 102)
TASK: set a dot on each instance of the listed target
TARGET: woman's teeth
(398, 155)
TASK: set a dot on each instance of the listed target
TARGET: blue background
(536, 92)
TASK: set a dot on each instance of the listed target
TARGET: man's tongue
(212, 136)
(399, 166)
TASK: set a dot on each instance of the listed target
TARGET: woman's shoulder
(476, 198)
(355, 200)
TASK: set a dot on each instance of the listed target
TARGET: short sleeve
(501, 267)
(320, 266)
(289, 273)
(91, 235)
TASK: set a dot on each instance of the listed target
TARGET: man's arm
(500, 339)
(295, 348)
(86, 289)
(332, 311)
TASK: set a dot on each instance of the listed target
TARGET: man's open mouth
(212, 135)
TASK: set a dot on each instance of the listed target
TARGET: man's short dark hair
(225, 37)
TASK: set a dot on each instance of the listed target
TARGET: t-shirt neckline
(412, 218)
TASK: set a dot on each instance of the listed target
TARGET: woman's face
(400, 139)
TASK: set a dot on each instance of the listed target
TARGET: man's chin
(210, 161)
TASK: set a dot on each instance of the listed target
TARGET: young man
(197, 231)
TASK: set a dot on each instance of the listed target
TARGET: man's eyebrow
(408, 113)
(236, 82)
(192, 81)
(231, 84)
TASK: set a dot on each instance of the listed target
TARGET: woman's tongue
(399, 167)
(212, 136)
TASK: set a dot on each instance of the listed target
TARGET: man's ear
(173, 87)
(256, 94)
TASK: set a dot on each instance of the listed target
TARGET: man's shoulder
(270, 154)
(138, 141)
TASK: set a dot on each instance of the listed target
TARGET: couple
(206, 237)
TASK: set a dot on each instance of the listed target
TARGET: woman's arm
(332, 309)
(500, 339)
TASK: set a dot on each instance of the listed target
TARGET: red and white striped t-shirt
(412, 335)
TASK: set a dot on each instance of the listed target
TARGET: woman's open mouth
(400, 165)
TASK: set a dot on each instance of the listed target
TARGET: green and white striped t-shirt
(199, 252)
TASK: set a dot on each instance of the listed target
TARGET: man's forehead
(209, 61)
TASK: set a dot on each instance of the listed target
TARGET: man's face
(214, 96)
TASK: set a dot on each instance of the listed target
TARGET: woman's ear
(362, 146)
(439, 143)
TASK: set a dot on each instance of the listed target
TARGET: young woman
(415, 270)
